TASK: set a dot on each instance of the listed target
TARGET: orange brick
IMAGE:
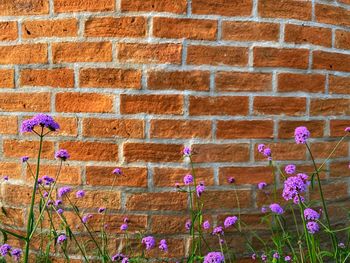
(96, 199)
(68, 126)
(150, 53)
(122, 128)
(23, 54)
(332, 15)
(227, 199)
(50, 28)
(64, 6)
(250, 31)
(243, 81)
(306, 34)
(152, 152)
(180, 129)
(331, 192)
(151, 104)
(222, 7)
(7, 78)
(244, 129)
(342, 39)
(281, 57)
(246, 175)
(224, 105)
(24, 7)
(339, 85)
(12, 216)
(171, 6)
(116, 27)
(331, 61)
(184, 28)
(217, 55)
(286, 128)
(81, 102)
(38, 101)
(321, 150)
(12, 170)
(91, 151)
(8, 31)
(165, 224)
(337, 127)
(19, 148)
(283, 151)
(110, 78)
(294, 9)
(289, 82)
(339, 169)
(8, 125)
(330, 107)
(102, 176)
(279, 105)
(16, 194)
(221, 152)
(59, 77)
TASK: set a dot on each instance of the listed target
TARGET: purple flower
(206, 225)
(200, 189)
(48, 180)
(341, 245)
(188, 179)
(24, 159)
(149, 242)
(267, 152)
(261, 148)
(311, 214)
(254, 256)
(290, 169)
(298, 198)
(188, 224)
(214, 257)
(163, 245)
(288, 258)
(230, 221)
(60, 211)
(218, 230)
(6, 178)
(347, 129)
(62, 154)
(58, 202)
(312, 227)
(63, 191)
(263, 209)
(276, 255)
(262, 185)
(124, 227)
(80, 194)
(5, 249)
(117, 171)
(40, 119)
(277, 209)
(86, 218)
(16, 254)
(231, 180)
(125, 260)
(126, 220)
(294, 186)
(61, 239)
(45, 194)
(186, 151)
(101, 210)
(28, 125)
(263, 257)
(118, 257)
(301, 134)
(177, 185)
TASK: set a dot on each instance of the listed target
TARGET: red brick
(181, 129)
(331, 61)
(151, 104)
(38, 101)
(122, 128)
(323, 149)
(50, 28)
(12, 170)
(344, 1)
(339, 85)
(290, 82)
(250, 31)
(96, 199)
(102, 176)
(8, 31)
(110, 78)
(342, 39)
(152, 152)
(281, 57)
(217, 55)
(150, 53)
(332, 15)
(64, 6)
(23, 7)
(167, 177)
(243, 81)
(82, 52)
(337, 127)
(7, 78)
(168, 224)
(8, 125)
(171, 6)
(16, 194)
(68, 126)
(81, 102)
(339, 169)
(329, 107)
(157, 201)
(12, 216)
(19, 148)
(227, 199)
(331, 192)
(57, 78)
(238, 152)
(91, 151)
(184, 28)
(222, 7)
(116, 27)
(306, 34)
(286, 128)
(279, 105)
(283, 151)
(23, 54)
(244, 129)
(294, 9)
(246, 175)
(224, 105)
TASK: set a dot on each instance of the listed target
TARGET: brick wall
(134, 81)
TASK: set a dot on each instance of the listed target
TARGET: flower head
(124, 227)
(347, 129)
(163, 245)
(149, 242)
(263, 257)
(214, 257)
(62, 154)
(188, 179)
(86, 218)
(262, 185)
(290, 169)
(276, 255)
(294, 186)
(60, 211)
(206, 225)
(287, 258)
(277, 209)
(61, 239)
(267, 152)
(186, 151)
(312, 227)
(5, 249)
(80, 194)
(301, 134)
(298, 198)
(6, 178)
(63, 191)
(125, 260)
(118, 257)
(101, 210)
(117, 171)
(200, 189)
(341, 245)
(40, 119)
(231, 180)
(16, 254)
(263, 209)
(188, 224)
(253, 256)
(24, 159)
(311, 214)
(48, 180)
(261, 148)
(218, 230)
(58, 202)
(230, 221)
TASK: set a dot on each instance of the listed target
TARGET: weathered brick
(290, 82)
(244, 129)
(116, 27)
(56, 78)
(8, 31)
(217, 55)
(279, 106)
(96, 199)
(8, 125)
(227, 199)
(246, 175)
(18, 148)
(339, 169)
(181, 129)
(50, 28)
(168, 224)
(12, 216)
(283, 151)
(64, 6)
(151, 104)
(81, 102)
(331, 192)
(222, 7)
(306, 34)
(16, 194)
(250, 31)
(91, 151)
(184, 28)
(224, 105)
(68, 126)
(286, 128)
(110, 78)
(238, 152)
(12, 170)
(294, 9)
(171, 6)
(7, 78)
(332, 15)
(331, 61)
(337, 127)
(281, 57)
(342, 39)
(329, 107)
(152, 152)
(339, 85)
(243, 81)
(119, 128)
(150, 53)
(23, 54)
(38, 101)
(23, 7)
